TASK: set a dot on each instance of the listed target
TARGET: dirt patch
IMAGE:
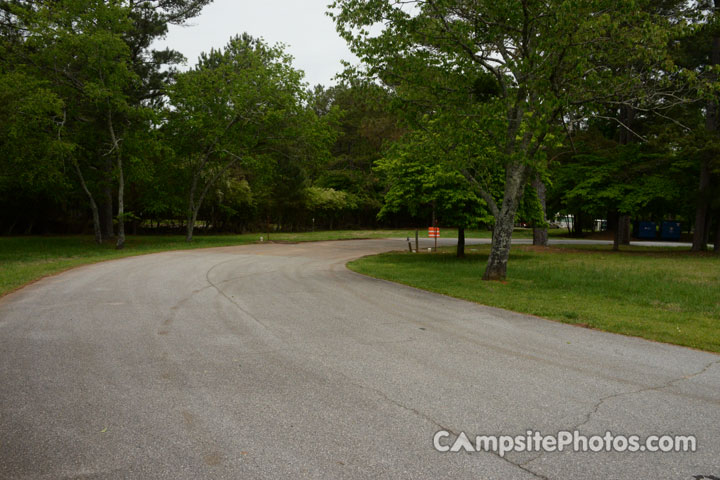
(212, 459)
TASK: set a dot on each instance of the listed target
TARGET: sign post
(434, 232)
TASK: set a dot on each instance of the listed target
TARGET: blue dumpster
(647, 230)
(670, 230)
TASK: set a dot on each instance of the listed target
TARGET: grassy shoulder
(26, 259)
(660, 294)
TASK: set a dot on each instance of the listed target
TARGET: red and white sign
(434, 232)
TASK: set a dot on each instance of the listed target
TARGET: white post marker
(434, 232)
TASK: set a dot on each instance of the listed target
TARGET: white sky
(302, 25)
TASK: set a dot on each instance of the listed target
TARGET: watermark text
(533, 441)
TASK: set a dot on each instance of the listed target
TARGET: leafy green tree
(241, 105)
(420, 173)
(77, 46)
(531, 63)
(701, 53)
(97, 58)
(328, 204)
(32, 176)
(366, 124)
(623, 179)
(608, 177)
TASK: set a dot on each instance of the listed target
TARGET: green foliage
(549, 60)
(472, 94)
(93, 64)
(422, 180)
(241, 111)
(530, 60)
(366, 124)
(30, 150)
(328, 199)
(530, 210)
(640, 180)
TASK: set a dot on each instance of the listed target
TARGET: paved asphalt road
(274, 361)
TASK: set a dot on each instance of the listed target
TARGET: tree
(366, 125)
(710, 57)
(77, 46)
(97, 57)
(532, 63)
(32, 176)
(329, 203)
(241, 105)
(421, 179)
(629, 179)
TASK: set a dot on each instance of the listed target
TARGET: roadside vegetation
(101, 132)
(659, 294)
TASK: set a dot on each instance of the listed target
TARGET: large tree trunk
(500, 250)
(194, 205)
(192, 211)
(121, 206)
(96, 221)
(461, 242)
(617, 238)
(93, 205)
(540, 234)
(625, 229)
(192, 218)
(716, 249)
(107, 217)
(702, 214)
(505, 222)
(702, 226)
(622, 230)
(707, 229)
(540, 237)
(577, 224)
(622, 235)
(121, 184)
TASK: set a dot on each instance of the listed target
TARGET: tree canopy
(474, 114)
(520, 68)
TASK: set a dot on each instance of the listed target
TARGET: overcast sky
(301, 24)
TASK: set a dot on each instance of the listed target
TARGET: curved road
(275, 361)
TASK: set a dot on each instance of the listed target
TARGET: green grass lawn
(660, 294)
(25, 259)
